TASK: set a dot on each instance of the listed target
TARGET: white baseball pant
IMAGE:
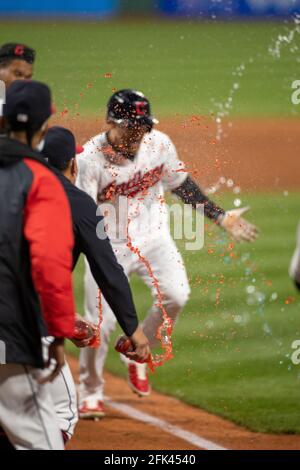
(168, 268)
(64, 394)
(27, 412)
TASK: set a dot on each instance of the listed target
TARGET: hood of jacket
(11, 151)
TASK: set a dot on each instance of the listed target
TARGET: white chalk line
(187, 436)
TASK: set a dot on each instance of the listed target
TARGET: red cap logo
(19, 50)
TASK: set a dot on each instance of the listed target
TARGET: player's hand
(238, 227)
(140, 342)
(56, 360)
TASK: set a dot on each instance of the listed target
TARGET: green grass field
(232, 358)
(181, 66)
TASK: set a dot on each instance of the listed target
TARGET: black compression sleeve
(190, 193)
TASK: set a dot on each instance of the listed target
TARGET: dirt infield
(118, 431)
(260, 154)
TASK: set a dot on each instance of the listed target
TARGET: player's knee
(178, 297)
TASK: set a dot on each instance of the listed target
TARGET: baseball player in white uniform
(138, 164)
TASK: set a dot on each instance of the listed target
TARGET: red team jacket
(36, 242)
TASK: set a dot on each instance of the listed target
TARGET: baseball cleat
(138, 378)
(91, 409)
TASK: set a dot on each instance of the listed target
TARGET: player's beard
(131, 147)
(127, 150)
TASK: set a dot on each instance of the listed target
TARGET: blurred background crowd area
(172, 8)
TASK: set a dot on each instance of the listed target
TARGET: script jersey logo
(139, 183)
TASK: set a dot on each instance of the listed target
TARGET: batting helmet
(130, 108)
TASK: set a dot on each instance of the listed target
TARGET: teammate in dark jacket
(60, 151)
(36, 296)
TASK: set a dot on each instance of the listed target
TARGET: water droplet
(267, 329)
(274, 296)
(261, 297)
(238, 319)
(250, 289)
(209, 324)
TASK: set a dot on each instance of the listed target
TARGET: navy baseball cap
(16, 51)
(28, 105)
(60, 147)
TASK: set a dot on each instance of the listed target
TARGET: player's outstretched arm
(238, 227)
(231, 221)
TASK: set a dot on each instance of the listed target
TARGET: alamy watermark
(295, 97)
(295, 357)
(2, 96)
(143, 220)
